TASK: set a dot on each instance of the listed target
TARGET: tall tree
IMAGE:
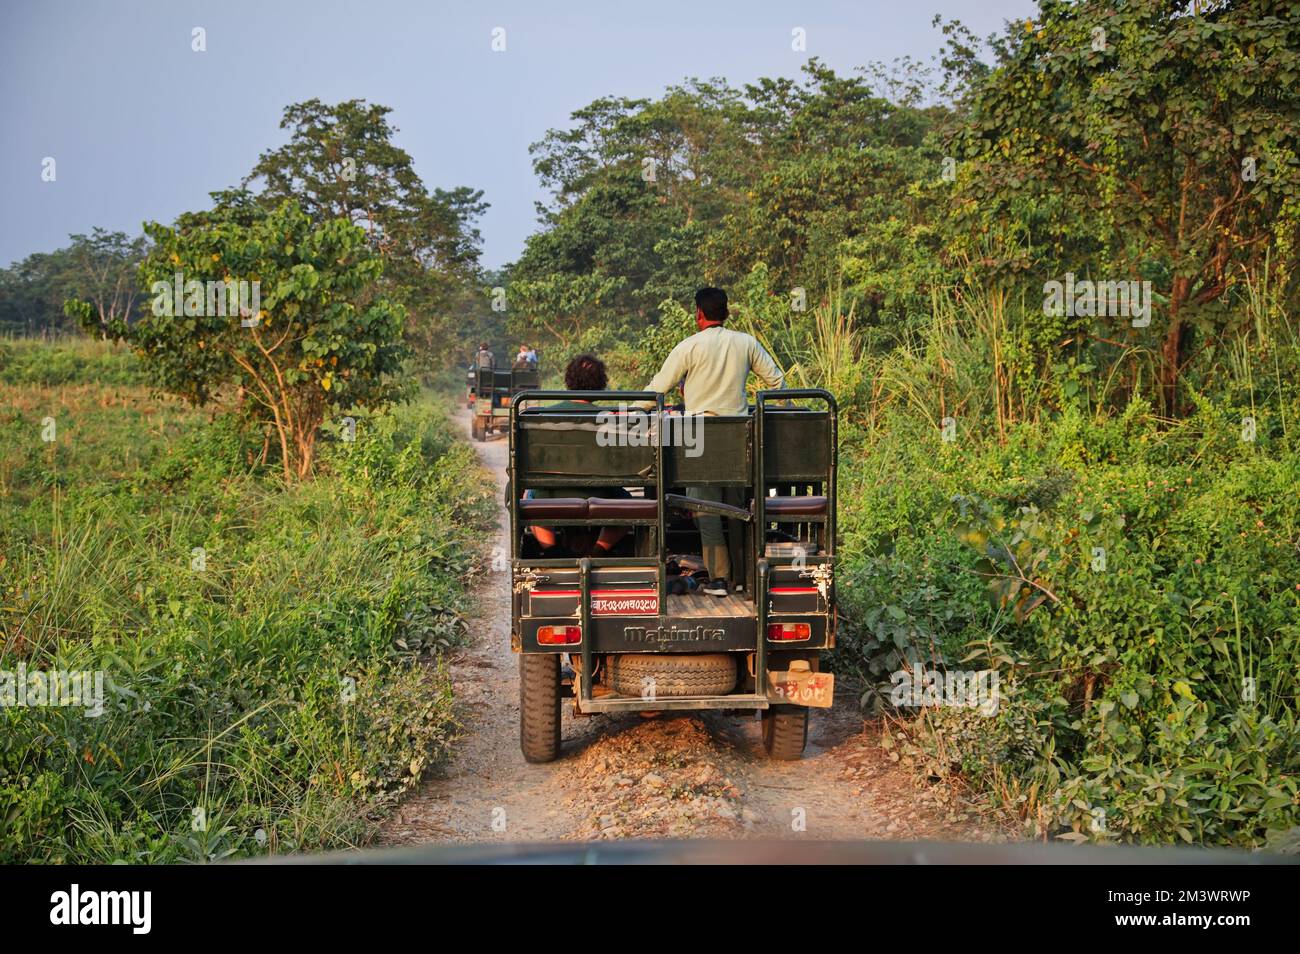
(652, 198)
(102, 270)
(271, 305)
(341, 162)
(1173, 133)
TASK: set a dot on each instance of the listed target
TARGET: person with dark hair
(712, 367)
(585, 372)
(716, 361)
(485, 358)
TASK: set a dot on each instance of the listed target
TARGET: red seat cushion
(554, 508)
(621, 508)
(794, 506)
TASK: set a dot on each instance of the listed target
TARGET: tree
(653, 198)
(100, 267)
(31, 294)
(341, 162)
(559, 307)
(1171, 134)
(270, 305)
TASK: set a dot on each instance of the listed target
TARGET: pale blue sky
(142, 127)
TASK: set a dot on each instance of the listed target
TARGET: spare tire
(673, 674)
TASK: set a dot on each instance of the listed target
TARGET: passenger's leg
(734, 536)
(713, 541)
(545, 536)
(609, 537)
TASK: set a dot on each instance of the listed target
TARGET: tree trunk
(1171, 352)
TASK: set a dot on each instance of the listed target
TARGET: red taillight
(558, 635)
(788, 631)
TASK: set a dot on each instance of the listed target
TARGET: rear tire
(539, 706)
(785, 732)
(476, 429)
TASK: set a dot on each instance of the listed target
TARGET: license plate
(815, 689)
(625, 603)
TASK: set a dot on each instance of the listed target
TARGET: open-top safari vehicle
(636, 638)
(491, 391)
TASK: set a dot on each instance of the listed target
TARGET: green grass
(271, 655)
(76, 360)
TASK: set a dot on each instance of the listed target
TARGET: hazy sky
(142, 127)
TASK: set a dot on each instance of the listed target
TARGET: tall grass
(271, 655)
(1124, 691)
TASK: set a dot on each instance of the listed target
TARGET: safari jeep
(491, 392)
(625, 632)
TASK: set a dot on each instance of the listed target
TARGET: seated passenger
(525, 360)
(584, 373)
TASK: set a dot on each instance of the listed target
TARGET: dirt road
(701, 774)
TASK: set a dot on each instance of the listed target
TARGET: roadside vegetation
(271, 652)
(1096, 502)
(1052, 282)
(233, 509)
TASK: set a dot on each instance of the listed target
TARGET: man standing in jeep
(715, 363)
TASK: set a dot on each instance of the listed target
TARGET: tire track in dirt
(678, 775)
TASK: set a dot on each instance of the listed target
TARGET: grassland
(271, 657)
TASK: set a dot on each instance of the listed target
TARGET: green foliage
(1137, 588)
(307, 340)
(1141, 141)
(341, 163)
(75, 361)
(99, 267)
(270, 685)
(781, 173)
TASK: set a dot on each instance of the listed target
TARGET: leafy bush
(1138, 588)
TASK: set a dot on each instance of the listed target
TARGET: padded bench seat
(554, 508)
(588, 508)
(639, 508)
(621, 508)
(812, 506)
